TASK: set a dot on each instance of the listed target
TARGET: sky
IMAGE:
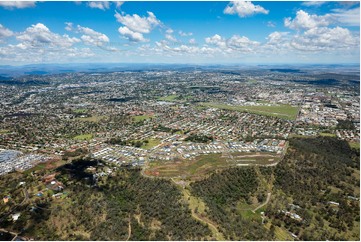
(236, 32)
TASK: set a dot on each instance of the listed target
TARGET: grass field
(150, 144)
(169, 98)
(327, 134)
(355, 145)
(4, 131)
(281, 111)
(141, 118)
(94, 119)
(83, 137)
(81, 110)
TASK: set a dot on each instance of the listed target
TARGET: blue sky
(179, 32)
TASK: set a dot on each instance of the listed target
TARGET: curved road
(263, 204)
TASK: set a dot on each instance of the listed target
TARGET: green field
(281, 111)
(169, 98)
(4, 131)
(355, 145)
(81, 110)
(151, 143)
(83, 137)
(94, 119)
(327, 134)
(141, 118)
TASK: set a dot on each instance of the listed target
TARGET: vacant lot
(83, 137)
(141, 118)
(151, 143)
(202, 165)
(94, 119)
(280, 111)
(169, 98)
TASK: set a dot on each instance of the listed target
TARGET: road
(263, 204)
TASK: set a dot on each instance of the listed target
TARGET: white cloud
(236, 42)
(38, 44)
(40, 35)
(118, 4)
(216, 40)
(69, 26)
(99, 5)
(131, 35)
(244, 9)
(242, 43)
(92, 37)
(181, 33)
(5, 32)
(303, 20)
(170, 38)
(276, 37)
(138, 24)
(350, 17)
(135, 26)
(313, 3)
(17, 4)
(324, 38)
(271, 24)
(192, 41)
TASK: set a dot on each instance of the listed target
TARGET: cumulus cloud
(135, 26)
(99, 5)
(69, 26)
(131, 35)
(192, 41)
(170, 38)
(244, 9)
(236, 42)
(242, 43)
(323, 38)
(92, 37)
(138, 24)
(17, 4)
(40, 35)
(184, 34)
(303, 20)
(38, 44)
(216, 40)
(5, 32)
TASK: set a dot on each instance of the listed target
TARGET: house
(15, 216)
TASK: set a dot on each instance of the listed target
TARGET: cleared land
(169, 98)
(4, 131)
(281, 111)
(328, 134)
(202, 165)
(81, 110)
(83, 137)
(151, 143)
(94, 119)
(141, 118)
(355, 145)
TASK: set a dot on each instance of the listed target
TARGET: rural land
(180, 152)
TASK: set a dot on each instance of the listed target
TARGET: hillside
(311, 195)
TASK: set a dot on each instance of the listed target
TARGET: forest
(312, 194)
